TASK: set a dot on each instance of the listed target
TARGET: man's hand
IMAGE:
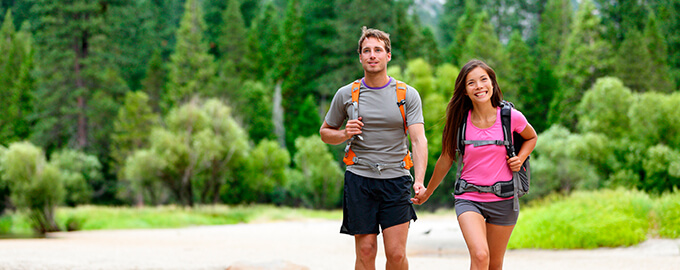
(420, 196)
(353, 127)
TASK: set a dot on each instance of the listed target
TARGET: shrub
(667, 214)
(586, 219)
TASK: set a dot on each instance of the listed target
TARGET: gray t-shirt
(383, 131)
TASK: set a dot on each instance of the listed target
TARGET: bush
(608, 218)
(35, 185)
(667, 215)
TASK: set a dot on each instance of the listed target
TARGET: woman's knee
(480, 255)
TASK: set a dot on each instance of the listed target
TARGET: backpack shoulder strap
(460, 142)
(401, 101)
(506, 110)
(356, 85)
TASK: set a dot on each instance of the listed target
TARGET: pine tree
(661, 79)
(634, 63)
(71, 40)
(620, 17)
(132, 127)
(521, 75)
(233, 35)
(231, 46)
(466, 25)
(482, 43)
(288, 72)
(320, 33)
(154, 81)
(448, 24)
(133, 31)
(668, 12)
(263, 37)
(191, 69)
(553, 31)
(430, 47)
(406, 37)
(16, 81)
(586, 57)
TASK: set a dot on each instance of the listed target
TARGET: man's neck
(376, 80)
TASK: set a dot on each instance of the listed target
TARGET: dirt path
(434, 243)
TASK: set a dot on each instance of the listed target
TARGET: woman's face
(478, 85)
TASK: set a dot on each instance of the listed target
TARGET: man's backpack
(519, 185)
(351, 158)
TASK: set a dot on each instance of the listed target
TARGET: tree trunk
(277, 115)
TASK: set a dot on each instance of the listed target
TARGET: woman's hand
(421, 194)
(515, 163)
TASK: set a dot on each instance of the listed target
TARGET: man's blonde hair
(375, 33)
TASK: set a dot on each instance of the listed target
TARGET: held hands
(515, 163)
(353, 127)
(421, 194)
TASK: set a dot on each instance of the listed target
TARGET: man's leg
(366, 247)
(498, 237)
(473, 226)
(395, 246)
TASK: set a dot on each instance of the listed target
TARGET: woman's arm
(530, 138)
(440, 170)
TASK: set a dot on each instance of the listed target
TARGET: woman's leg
(498, 237)
(473, 226)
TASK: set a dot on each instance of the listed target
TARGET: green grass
(592, 219)
(667, 215)
(105, 218)
(607, 218)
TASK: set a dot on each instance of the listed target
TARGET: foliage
(36, 185)
(609, 218)
(267, 166)
(318, 183)
(81, 173)
(16, 81)
(191, 67)
(565, 161)
(77, 88)
(132, 127)
(586, 56)
(667, 214)
(604, 108)
(520, 80)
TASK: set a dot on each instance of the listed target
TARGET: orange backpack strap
(349, 154)
(401, 100)
(355, 90)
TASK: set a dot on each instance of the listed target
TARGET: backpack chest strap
(477, 143)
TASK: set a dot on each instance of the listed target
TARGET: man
(377, 180)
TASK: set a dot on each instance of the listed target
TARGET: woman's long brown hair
(461, 103)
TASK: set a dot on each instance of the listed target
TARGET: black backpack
(504, 190)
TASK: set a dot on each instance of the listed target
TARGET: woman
(485, 219)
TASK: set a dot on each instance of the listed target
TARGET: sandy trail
(434, 243)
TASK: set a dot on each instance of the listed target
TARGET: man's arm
(419, 150)
(335, 135)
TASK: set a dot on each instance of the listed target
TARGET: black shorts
(497, 213)
(370, 204)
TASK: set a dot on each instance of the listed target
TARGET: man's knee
(395, 255)
(367, 250)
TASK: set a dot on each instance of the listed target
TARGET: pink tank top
(485, 165)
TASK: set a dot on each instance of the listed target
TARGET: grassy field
(584, 219)
(104, 217)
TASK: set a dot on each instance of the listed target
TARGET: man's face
(373, 55)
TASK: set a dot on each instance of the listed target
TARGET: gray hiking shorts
(496, 213)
